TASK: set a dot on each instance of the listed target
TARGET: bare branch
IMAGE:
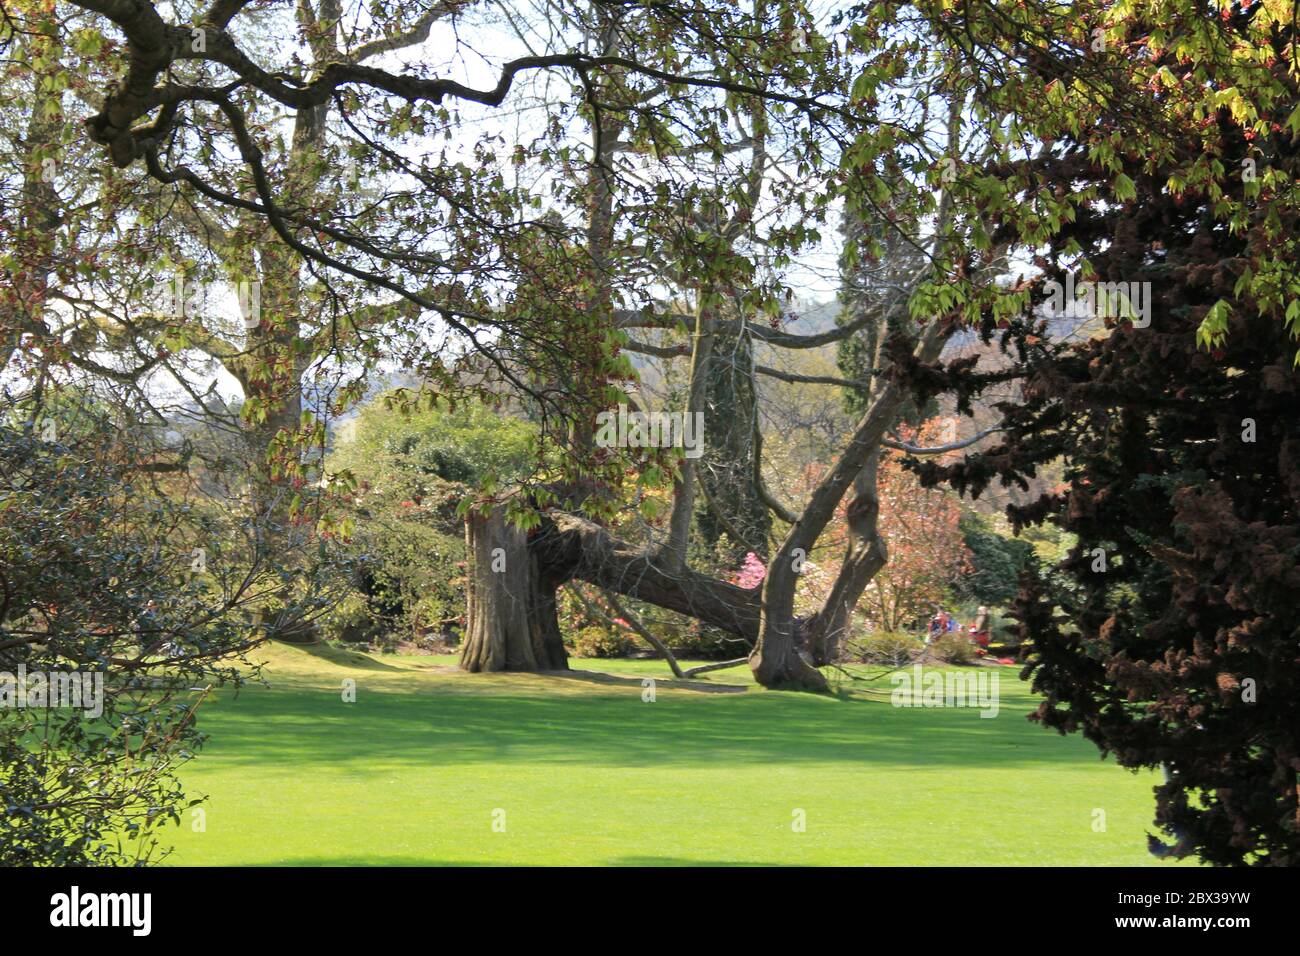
(937, 449)
(861, 384)
(417, 34)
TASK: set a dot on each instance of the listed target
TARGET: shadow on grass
(621, 680)
(344, 658)
(407, 862)
(466, 724)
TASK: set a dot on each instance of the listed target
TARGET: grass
(711, 772)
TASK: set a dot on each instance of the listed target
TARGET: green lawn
(588, 773)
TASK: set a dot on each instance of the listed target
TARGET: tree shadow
(344, 658)
(618, 680)
(464, 723)
(355, 861)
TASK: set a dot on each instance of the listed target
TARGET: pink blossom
(751, 573)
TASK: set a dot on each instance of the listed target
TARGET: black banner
(336, 905)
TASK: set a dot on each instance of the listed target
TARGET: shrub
(954, 647)
(594, 641)
(701, 642)
(1002, 629)
(351, 621)
(892, 648)
(142, 589)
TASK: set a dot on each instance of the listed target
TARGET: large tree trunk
(725, 473)
(782, 658)
(511, 623)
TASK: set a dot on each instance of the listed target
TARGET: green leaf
(1124, 188)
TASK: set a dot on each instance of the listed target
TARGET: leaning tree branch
(760, 486)
(937, 449)
(858, 384)
(418, 33)
(634, 622)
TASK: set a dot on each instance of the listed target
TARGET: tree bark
(673, 552)
(511, 619)
(781, 657)
(867, 554)
(573, 546)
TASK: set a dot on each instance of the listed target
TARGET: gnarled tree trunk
(511, 619)
(867, 554)
(511, 623)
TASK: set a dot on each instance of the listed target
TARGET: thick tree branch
(760, 486)
(937, 449)
(860, 384)
(418, 33)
